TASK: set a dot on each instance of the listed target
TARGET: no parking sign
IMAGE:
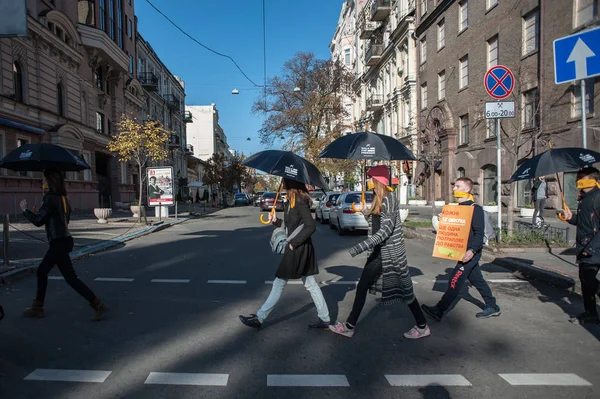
(499, 82)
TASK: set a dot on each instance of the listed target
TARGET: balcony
(148, 80)
(380, 10)
(173, 140)
(373, 54)
(187, 117)
(366, 28)
(375, 102)
(172, 102)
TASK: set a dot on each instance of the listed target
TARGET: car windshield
(269, 195)
(355, 197)
(315, 195)
(334, 197)
(240, 196)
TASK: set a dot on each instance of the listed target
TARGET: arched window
(490, 185)
(18, 81)
(60, 100)
(461, 172)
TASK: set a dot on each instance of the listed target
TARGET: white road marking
(506, 280)
(422, 380)
(118, 279)
(226, 281)
(339, 282)
(299, 282)
(307, 380)
(551, 379)
(68, 375)
(56, 278)
(169, 280)
(187, 379)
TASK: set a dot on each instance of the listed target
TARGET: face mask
(462, 194)
(45, 186)
(370, 185)
(587, 183)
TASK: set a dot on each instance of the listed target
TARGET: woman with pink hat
(386, 270)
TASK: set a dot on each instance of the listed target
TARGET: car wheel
(341, 231)
(323, 221)
(331, 226)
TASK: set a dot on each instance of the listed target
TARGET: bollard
(5, 239)
(176, 210)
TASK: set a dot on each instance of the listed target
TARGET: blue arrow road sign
(577, 56)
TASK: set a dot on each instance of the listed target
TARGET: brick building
(457, 41)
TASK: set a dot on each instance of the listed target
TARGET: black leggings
(58, 254)
(369, 275)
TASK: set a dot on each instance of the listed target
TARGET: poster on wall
(160, 186)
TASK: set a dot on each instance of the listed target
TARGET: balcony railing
(172, 102)
(173, 140)
(187, 117)
(375, 102)
(366, 28)
(380, 10)
(373, 54)
(148, 80)
(189, 149)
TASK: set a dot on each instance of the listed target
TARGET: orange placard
(453, 232)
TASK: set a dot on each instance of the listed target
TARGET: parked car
(343, 218)
(315, 196)
(241, 199)
(267, 202)
(322, 210)
(257, 197)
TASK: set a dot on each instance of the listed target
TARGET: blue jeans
(311, 286)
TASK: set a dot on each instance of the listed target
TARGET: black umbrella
(368, 145)
(288, 165)
(555, 160)
(37, 157)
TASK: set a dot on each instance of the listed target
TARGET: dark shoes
(433, 311)
(251, 321)
(320, 324)
(36, 310)
(489, 311)
(100, 308)
(585, 319)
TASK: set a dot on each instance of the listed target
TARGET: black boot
(251, 321)
(36, 309)
(100, 308)
(320, 324)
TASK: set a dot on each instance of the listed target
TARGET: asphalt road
(173, 331)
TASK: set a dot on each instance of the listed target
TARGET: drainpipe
(540, 74)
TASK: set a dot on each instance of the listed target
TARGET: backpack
(280, 239)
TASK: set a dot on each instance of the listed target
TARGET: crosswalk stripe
(551, 379)
(339, 282)
(56, 278)
(170, 280)
(68, 375)
(421, 380)
(307, 380)
(226, 281)
(299, 282)
(187, 379)
(116, 279)
(506, 280)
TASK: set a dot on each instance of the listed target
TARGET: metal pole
(159, 211)
(583, 114)
(176, 210)
(5, 238)
(499, 178)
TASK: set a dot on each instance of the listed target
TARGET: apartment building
(458, 41)
(205, 135)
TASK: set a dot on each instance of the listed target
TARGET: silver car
(322, 211)
(315, 197)
(343, 218)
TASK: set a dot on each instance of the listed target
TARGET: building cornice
(97, 39)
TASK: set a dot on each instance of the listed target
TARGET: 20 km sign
(499, 82)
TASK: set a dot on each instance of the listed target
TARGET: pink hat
(381, 173)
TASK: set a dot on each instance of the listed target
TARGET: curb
(27, 267)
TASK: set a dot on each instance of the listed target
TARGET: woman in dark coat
(54, 215)
(299, 260)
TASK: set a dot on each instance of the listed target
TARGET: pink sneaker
(340, 328)
(416, 333)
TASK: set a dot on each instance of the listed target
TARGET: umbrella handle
(561, 216)
(362, 204)
(263, 221)
(273, 210)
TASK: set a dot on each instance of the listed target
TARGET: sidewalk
(28, 244)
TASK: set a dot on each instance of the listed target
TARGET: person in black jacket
(587, 241)
(299, 259)
(468, 268)
(539, 194)
(54, 215)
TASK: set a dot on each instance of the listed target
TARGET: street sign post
(499, 82)
(577, 57)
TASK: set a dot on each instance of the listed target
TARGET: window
(423, 50)
(530, 109)
(22, 142)
(490, 184)
(347, 57)
(102, 15)
(87, 174)
(99, 122)
(423, 7)
(491, 3)
(585, 11)
(576, 99)
(18, 81)
(491, 130)
(464, 130)
(524, 193)
(441, 34)
(464, 72)
(463, 15)
(129, 2)
(131, 64)
(98, 81)
(442, 85)
(140, 66)
(119, 24)
(492, 52)
(123, 173)
(130, 28)
(111, 19)
(60, 100)
(461, 173)
(424, 96)
(530, 33)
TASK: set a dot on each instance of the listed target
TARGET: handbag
(280, 238)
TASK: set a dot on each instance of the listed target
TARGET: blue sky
(234, 28)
